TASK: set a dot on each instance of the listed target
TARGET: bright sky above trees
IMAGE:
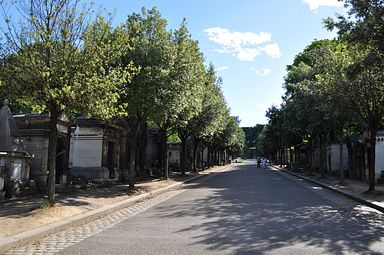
(250, 42)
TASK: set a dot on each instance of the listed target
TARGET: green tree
(312, 101)
(233, 137)
(265, 143)
(212, 113)
(251, 134)
(152, 54)
(335, 58)
(362, 29)
(365, 91)
(177, 98)
(63, 58)
(190, 71)
(275, 129)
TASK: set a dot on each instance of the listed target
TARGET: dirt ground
(27, 215)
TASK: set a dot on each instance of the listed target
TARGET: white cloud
(263, 72)
(246, 46)
(315, 4)
(247, 54)
(222, 68)
(228, 39)
(272, 50)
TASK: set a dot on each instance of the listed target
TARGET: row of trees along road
(334, 87)
(60, 56)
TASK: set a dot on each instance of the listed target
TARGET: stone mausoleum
(97, 149)
(35, 131)
(14, 159)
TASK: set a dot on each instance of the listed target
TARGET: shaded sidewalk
(27, 220)
(353, 189)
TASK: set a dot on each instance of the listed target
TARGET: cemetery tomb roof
(10, 139)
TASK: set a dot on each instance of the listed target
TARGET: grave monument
(14, 168)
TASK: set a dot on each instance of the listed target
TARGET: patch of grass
(46, 205)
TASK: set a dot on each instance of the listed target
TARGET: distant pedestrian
(264, 162)
(258, 162)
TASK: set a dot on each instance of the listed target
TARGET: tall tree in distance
(212, 114)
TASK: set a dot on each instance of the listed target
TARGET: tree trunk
(195, 146)
(322, 164)
(372, 160)
(341, 153)
(143, 144)
(165, 152)
(202, 156)
(123, 177)
(209, 158)
(183, 156)
(132, 159)
(216, 156)
(52, 147)
(137, 157)
(311, 157)
(134, 129)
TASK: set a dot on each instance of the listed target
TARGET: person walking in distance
(264, 163)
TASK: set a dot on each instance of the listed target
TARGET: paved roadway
(243, 210)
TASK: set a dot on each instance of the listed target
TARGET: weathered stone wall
(38, 146)
(86, 147)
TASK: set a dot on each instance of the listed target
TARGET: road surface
(243, 210)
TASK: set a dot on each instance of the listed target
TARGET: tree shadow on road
(254, 218)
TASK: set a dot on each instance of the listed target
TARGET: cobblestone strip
(59, 241)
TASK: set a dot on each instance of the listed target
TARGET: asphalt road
(245, 210)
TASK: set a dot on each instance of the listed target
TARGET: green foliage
(362, 30)
(211, 117)
(251, 138)
(62, 57)
(363, 24)
(314, 104)
(67, 65)
(173, 138)
(334, 87)
(152, 54)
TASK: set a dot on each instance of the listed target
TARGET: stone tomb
(95, 149)
(14, 167)
(35, 130)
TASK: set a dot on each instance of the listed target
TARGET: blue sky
(250, 42)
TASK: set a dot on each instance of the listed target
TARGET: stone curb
(23, 238)
(336, 190)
